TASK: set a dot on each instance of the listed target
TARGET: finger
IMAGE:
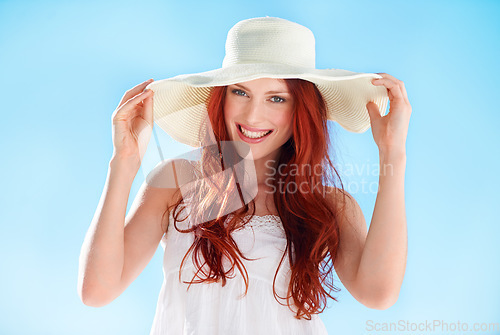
(373, 111)
(388, 76)
(405, 95)
(144, 89)
(132, 103)
(393, 87)
(148, 110)
(134, 91)
(400, 83)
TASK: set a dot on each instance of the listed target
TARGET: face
(260, 105)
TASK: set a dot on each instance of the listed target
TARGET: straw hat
(265, 47)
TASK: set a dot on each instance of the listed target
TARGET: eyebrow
(269, 92)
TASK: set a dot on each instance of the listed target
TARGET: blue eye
(279, 101)
(239, 92)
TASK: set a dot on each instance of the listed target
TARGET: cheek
(283, 120)
(227, 113)
(229, 109)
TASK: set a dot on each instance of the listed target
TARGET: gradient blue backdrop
(65, 65)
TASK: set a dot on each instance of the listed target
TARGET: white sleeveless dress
(209, 309)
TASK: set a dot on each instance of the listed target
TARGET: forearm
(102, 253)
(383, 261)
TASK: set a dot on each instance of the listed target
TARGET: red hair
(309, 219)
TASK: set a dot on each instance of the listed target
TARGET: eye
(239, 92)
(278, 99)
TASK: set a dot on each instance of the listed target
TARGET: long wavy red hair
(310, 219)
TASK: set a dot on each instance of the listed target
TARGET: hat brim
(179, 103)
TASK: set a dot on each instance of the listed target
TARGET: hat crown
(270, 40)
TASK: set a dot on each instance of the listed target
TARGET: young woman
(253, 229)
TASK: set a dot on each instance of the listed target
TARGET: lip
(251, 129)
(251, 140)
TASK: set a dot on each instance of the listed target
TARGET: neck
(265, 168)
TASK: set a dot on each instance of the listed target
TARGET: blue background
(65, 65)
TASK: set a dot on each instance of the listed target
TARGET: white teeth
(252, 134)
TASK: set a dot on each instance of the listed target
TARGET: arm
(118, 248)
(372, 265)
(105, 263)
(383, 261)
(102, 253)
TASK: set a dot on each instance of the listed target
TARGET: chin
(256, 153)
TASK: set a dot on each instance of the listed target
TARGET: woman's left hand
(389, 131)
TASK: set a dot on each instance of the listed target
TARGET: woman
(260, 198)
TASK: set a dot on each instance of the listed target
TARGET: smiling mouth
(253, 134)
(252, 129)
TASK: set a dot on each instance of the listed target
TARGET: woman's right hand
(132, 124)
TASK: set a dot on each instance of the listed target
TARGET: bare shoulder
(163, 182)
(171, 173)
(350, 208)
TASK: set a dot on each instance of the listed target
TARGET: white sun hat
(264, 47)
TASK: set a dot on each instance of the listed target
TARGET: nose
(255, 112)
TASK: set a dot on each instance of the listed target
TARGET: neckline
(263, 217)
(258, 216)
